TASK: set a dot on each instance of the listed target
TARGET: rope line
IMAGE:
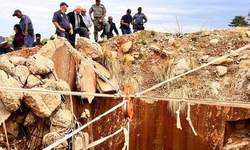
(84, 126)
(188, 72)
(57, 92)
(238, 104)
(93, 68)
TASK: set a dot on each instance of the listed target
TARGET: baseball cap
(15, 12)
(129, 10)
(63, 3)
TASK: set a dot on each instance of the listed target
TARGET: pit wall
(153, 126)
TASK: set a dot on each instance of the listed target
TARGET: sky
(163, 15)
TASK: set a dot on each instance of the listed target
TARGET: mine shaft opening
(237, 131)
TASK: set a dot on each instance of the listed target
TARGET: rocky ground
(143, 59)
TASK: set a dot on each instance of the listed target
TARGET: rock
(167, 53)
(33, 81)
(62, 86)
(214, 42)
(61, 120)
(5, 113)
(248, 33)
(129, 58)
(22, 73)
(51, 138)
(171, 40)
(15, 60)
(6, 66)
(85, 114)
(215, 87)
(105, 87)
(49, 84)
(204, 58)
(86, 80)
(126, 47)
(40, 65)
(155, 48)
(181, 67)
(221, 70)
(30, 119)
(42, 105)
(205, 33)
(11, 100)
(102, 69)
(89, 48)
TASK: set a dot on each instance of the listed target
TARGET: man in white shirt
(86, 18)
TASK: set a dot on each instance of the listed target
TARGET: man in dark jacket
(61, 22)
(78, 25)
(112, 27)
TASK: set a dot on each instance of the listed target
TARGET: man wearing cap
(61, 21)
(78, 25)
(125, 22)
(27, 28)
(86, 19)
(138, 20)
(99, 14)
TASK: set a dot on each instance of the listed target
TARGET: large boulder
(43, 105)
(102, 69)
(16, 60)
(61, 120)
(22, 73)
(105, 87)
(6, 65)
(33, 81)
(40, 65)
(86, 80)
(89, 48)
(11, 100)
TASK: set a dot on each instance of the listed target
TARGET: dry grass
(178, 93)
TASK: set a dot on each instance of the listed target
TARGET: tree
(239, 21)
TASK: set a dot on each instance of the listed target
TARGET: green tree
(239, 21)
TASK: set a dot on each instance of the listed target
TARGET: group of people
(75, 22)
(24, 34)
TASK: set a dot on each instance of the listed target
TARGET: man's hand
(25, 34)
(100, 20)
(71, 31)
(62, 30)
